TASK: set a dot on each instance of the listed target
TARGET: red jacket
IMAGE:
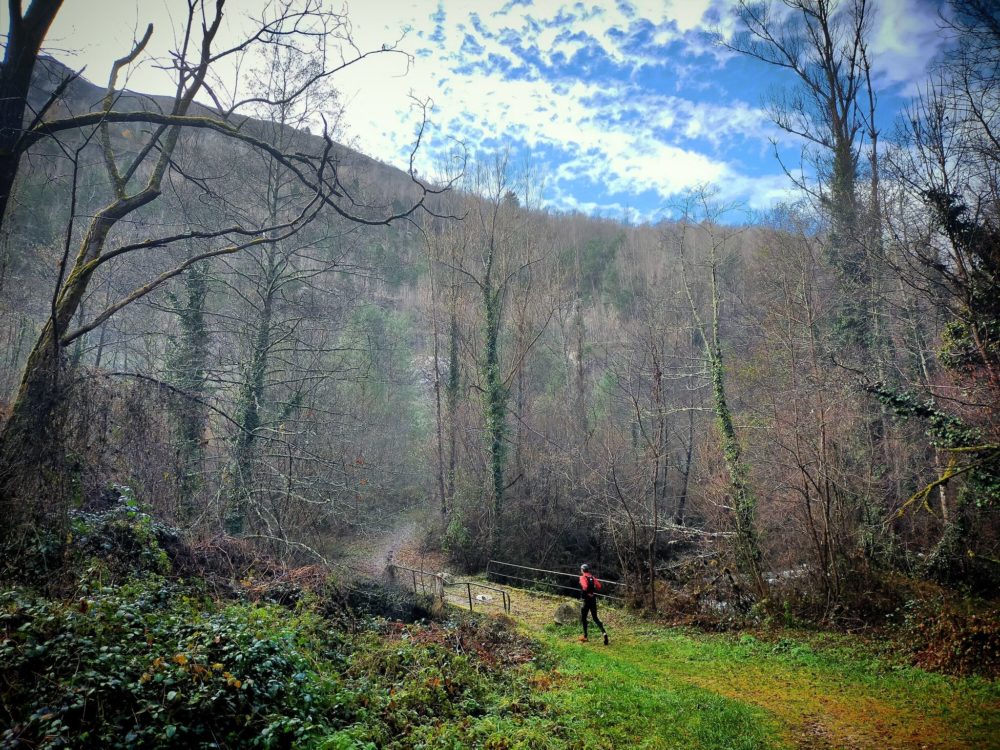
(586, 588)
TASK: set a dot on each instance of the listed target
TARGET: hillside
(81, 95)
(263, 398)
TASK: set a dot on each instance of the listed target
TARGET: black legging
(590, 605)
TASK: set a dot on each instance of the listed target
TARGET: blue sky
(620, 104)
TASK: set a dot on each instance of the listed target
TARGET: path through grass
(656, 688)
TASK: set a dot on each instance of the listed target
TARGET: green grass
(619, 697)
(668, 688)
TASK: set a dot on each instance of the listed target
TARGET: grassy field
(657, 688)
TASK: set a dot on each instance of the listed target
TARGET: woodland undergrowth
(136, 638)
(124, 652)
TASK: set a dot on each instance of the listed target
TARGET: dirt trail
(401, 544)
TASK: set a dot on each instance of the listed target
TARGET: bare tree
(824, 45)
(702, 215)
(500, 252)
(28, 444)
(945, 226)
(25, 33)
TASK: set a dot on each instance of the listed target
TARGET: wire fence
(522, 574)
(436, 585)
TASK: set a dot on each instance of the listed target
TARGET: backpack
(590, 585)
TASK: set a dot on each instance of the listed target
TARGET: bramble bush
(953, 637)
(148, 665)
(452, 685)
(114, 532)
(134, 659)
(122, 534)
(156, 664)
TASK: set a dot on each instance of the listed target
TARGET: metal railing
(419, 576)
(505, 597)
(419, 581)
(536, 581)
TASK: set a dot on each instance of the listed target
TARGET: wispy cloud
(906, 38)
(592, 86)
(623, 102)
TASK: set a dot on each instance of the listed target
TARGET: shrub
(953, 637)
(158, 664)
(122, 534)
(444, 686)
(149, 665)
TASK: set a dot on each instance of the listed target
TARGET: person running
(590, 586)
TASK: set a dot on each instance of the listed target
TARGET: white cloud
(757, 193)
(905, 39)
(689, 14)
(610, 134)
(618, 138)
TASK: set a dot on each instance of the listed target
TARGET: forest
(235, 350)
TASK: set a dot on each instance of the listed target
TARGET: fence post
(438, 601)
(439, 589)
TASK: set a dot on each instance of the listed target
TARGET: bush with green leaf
(123, 534)
(158, 664)
(150, 665)
(448, 686)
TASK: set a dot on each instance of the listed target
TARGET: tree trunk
(580, 384)
(744, 501)
(30, 444)
(186, 369)
(686, 472)
(452, 394)
(24, 39)
(495, 405)
(438, 412)
(248, 417)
